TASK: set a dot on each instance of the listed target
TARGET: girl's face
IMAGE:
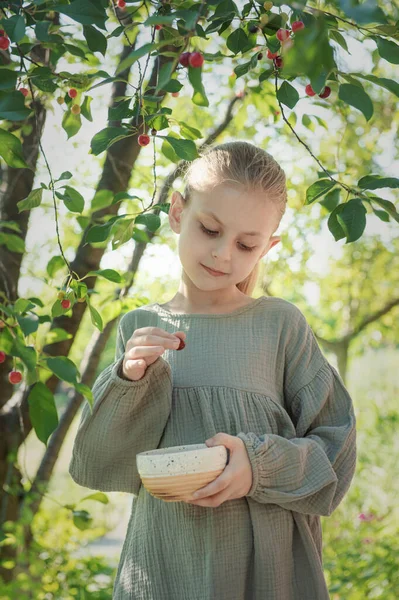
(222, 242)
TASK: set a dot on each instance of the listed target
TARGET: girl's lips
(214, 273)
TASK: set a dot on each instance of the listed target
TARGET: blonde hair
(244, 164)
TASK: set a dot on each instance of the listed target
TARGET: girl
(252, 378)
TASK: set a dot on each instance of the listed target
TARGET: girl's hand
(144, 347)
(236, 479)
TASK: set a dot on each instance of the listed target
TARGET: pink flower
(367, 540)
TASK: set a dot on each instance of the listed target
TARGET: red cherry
(181, 345)
(326, 92)
(2, 32)
(196, 59)
(183, 59)
(158, 27)
(65, 303)
(24, 91)
(72, 93)
(297, 25)
(271, 54)
(143, 139)
(4, 43)
(121, 3)
(282, 34)
(15, 377)
(309, 90)
(3, 356)
(278, 62)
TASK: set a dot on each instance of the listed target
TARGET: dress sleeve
(311, 472)
(128, 417)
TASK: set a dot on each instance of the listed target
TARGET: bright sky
(158, 260)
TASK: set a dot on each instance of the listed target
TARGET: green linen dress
(257, 373)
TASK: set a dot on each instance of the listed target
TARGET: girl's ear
(275, 239)
(176, 207)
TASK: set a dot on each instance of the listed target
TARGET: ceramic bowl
(174, 474)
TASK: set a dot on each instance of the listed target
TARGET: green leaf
(72, 199)
(95, 316)
(318, 188)
(101, 199)
(356, 97)
(82, 520)
(86, 392)
(367, 12)
(339, 38)
(12, 106)
(238, 41)
(42, 411)
(15, 28)
(381, 214)
(99, 233)
(28, 324)
(242, 69)
(84, 12)
(71, 123)
(134, 56)
(164, 75)
(26, 353)
(98, 497)
(331, 200)
(96, 41)
(287, 94)
(173, 86)
(57, 335)
(85, 110)
(8, 78)
(387, 49)
(387, 205)
(188, 132)
(152, 222)
(352, 218)
(389, 84)
(63, 368)
(42, 78)
(55, 264)
(106, 137)
(195, 77)
(109, 274)
(32, 201)
(12, 242)
(374, 182)
(184, 149)
(11, 150)
(123, 232)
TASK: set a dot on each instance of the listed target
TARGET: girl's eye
(209, 232)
